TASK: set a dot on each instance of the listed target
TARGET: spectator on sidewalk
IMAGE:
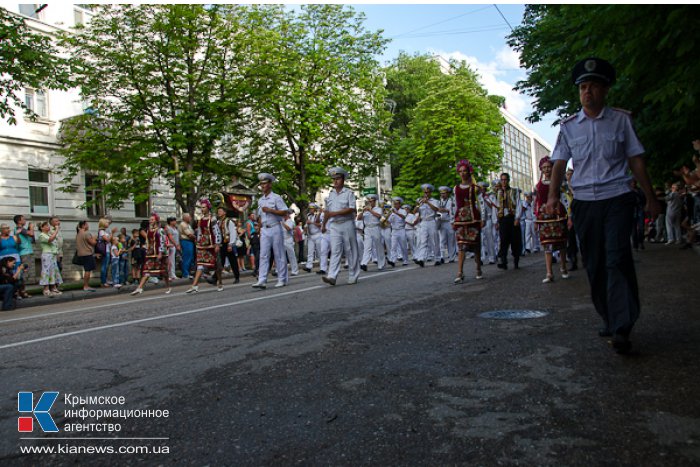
(299, 241)
(85, 248)
(674, 207)
(187, 238)
(245, 245)
(104, 240)
(25, 232)
(50, 275)
(251, 229)
(9, 243)
(123, 259)
(9, 276)
(174, 247)
(114, 255)
(55, 223)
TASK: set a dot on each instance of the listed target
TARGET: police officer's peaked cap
(397, 198)
(313, 205)
(336, 172)
(266, 177)
(406, 206)
(427, 186)
(445, 189)
(593, 69)
(483, 184)
(372, 196)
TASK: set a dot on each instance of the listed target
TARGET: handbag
(76, 259)
(239, 243)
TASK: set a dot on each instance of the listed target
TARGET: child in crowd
(135, 249)
(115, 253)
(123, 260)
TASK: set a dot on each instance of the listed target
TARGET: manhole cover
(513, 314)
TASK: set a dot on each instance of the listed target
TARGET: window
(142, 209)
(35, 100)
(78, 17)
(29, 9)
(39, 191)
(93, 196)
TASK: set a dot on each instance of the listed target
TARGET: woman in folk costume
(156, 262)
(552, 229)
(207, 244)
(468, 219)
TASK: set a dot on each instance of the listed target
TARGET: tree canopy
(27, 60)
(321, 100)
(166, 86)
(654, 49)
(441, 118)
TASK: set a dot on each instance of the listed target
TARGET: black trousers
(572, 245)
(510, 236)
(604, 228)
(232, 259)
(255, 249)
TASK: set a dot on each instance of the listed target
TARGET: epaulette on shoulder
(622, 110)
(569, 118)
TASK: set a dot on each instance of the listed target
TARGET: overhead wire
(441, 22)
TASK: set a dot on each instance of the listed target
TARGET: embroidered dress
(155, 244)
(208, 236)
(552, 228)
(467, 218)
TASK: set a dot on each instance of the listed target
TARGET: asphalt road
(398, 369)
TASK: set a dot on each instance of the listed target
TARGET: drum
(552, 230)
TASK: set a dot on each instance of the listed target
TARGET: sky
(471, 32)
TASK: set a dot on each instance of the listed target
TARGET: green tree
(167, 85)
(406, 83)
(321, 100)
(654, 49)
(27, 59)
(456, 120)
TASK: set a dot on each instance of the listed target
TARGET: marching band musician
(371, 214)
(411, 222)
(488, 239)
(325, 250)
(271, 211)
(427, 234)
(399, 245)
(385, 232)
(207, 244)
(446, 233)
(340, 210)
(360, 232)
(313, 235)
(469, 219)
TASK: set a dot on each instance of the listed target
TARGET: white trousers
(360, 243)
(344, 241)
(325, 250)
(399, 245)
(272, 238)
(427, 245)
(313, 246)
(530, 234)
(411, 240)
(373, 240)
(488, 243)
(291, 257)
(447, 241)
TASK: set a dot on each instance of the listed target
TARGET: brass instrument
(384, 220)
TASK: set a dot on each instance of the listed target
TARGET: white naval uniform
(325, 246)
(446, 233)
(488, 241)
(399, 244)
(359, 232)
(427, 234)
(528, 219)
(313, 240)
(343, 236)
(289, 245)
(272, 238)
(411, 232)
(373, 239)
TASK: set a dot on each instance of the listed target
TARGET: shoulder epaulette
(569, 118)
(622, 110)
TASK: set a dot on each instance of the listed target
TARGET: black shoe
(321, 271)
(236, 280)
(392, 264)
(516, 263)
(328, 280)
(274, 273)
(307, 269)
(421, 263)
(346, 266)
(363, 267)
(621, 343)
(438, 263)
(604, 332)
(502, 266)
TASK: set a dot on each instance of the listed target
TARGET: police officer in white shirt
(313, 239)
(373, 237)
(271, 211)
(288, 225)
(603, 145)
(427, 233)
(410, 228)
(340, 209)
(325, 244)
(444, 219)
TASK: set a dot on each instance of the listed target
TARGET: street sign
(369, 191)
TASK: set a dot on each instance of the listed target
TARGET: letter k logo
(25, 404)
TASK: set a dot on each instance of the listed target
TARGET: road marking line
(154, 318)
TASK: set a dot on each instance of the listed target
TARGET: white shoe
(352, 281)
(294, 273)
(548, 279)
(137, 291)
(259, 285)
(220, 288)
(167, 292)
(564, 275)
(193, 289)
(117, 286)
(279, 284)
